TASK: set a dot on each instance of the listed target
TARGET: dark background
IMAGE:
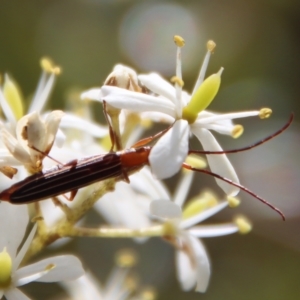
(258, 44)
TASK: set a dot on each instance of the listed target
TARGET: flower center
(202, 97)
(5, 269)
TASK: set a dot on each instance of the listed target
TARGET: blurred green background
(258, 44)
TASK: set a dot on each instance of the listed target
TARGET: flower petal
(137, 102)
(6, 109)
(193, 267)
(202, 264)
(85, 287)
(14, 147)
(168, 154)
(205, 231)
(218, 163)
(144, 183)
(15, 294)
(13, 223)
(155, 83)
(92, 94)
(186, 274)
(66, 267)
(164, 209)
(72, 121)
(24, 248)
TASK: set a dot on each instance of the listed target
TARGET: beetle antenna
(248, 147)
(186, 166)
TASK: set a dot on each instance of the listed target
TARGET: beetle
(79, 173)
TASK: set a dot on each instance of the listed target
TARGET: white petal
(6, 159)
(186, 273)
(144, 183)
(72, 121)
(35, 129)
(183, 188)
(24, 248)
(67, 267)
(15, 294)
(92, 94)
(13, 223)
(168, 154)
(203, 215)
(6, 109)
(202, 264)
(41, 98)
(60, 139)
(137, 102)
(158, 85)
(193, 267)
(206, 231)
(84, 288)
(52, 122)
(14, 147)
(164, 209)
(218, 163)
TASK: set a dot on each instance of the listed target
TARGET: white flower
(22, 132)
(13, 223)
(119, 285)
(189, 115)
(192, 261)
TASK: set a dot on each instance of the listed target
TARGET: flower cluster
(133, 199)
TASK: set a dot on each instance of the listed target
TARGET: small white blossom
(192, 261)
(188, 113)
(119, 285)
(13, 223)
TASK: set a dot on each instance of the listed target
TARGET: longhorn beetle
(78, 173)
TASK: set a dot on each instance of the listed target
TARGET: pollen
(243, 225)
(237, 131)
(126, 258)
(148, 294)
(5, 268)
(265, 113)
(177, 80)
(196, 162)
(48, 66)
(233, 201)
(179, 41)
(211, 45)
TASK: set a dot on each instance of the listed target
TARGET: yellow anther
(211, 45)
(179, 41)
(50, 267)
(233, 201)
(195, 161)
(5, 269)
(202, 97)
(126, 258)
(177, 80)
(198, 204)
(148, 293)
(48, 66)
(243, 225)
(237, 131)
(265, 113)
